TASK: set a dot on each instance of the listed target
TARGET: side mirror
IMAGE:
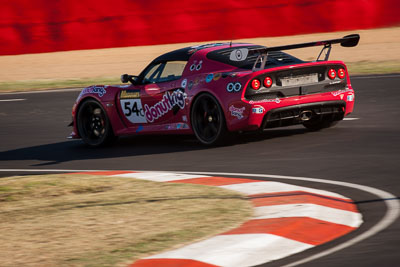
(124, 78)
(128, 78)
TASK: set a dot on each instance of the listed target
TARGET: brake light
(268, 82)
(341, 73)
(255, 84)
(331, 74)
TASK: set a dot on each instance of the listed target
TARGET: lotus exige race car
(216, 89)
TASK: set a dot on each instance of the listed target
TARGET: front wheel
(208, 120)
(93, 124)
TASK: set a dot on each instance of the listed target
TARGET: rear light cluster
(256, 84)
(340, 73)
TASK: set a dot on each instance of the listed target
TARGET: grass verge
(83, 220)
(21, 86)
(355, 68)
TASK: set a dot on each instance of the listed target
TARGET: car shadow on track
(75, 150)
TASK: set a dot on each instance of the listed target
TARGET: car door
(162, 95)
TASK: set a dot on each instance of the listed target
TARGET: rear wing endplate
(347, 41)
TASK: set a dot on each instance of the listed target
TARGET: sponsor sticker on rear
(257, 110)
(237, 112)
(350, 97)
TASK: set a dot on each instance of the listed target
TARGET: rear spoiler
(347, 41)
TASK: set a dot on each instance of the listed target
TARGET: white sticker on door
(133, 110)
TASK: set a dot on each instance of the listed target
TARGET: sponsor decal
(184, 118)
(130, 94)
(139, 129)
(350, 97)
(182, 126)
(237, 112)
(217, 76)
(133, 110)
(184, 83)
(239, 54)
(209, 77)
(99, 90)
(275, 100)
(233, 87)
(190, 85)
(197, 81)
(229, 74)
(169, 100)
(258, 110)
(336, 93)
(196, 66)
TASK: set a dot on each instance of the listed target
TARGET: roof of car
(185, 53)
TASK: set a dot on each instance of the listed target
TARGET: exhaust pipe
(306, 115)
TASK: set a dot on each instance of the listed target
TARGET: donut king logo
(99, 90)
(168, 102)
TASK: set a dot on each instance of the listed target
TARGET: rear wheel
(208, 121)
(93, 124)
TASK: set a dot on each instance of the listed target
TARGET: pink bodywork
(238, 111)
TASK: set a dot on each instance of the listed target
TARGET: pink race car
(216, 89)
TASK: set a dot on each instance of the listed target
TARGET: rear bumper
(287, 111)
(292, 115)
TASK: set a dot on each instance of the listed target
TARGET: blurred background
(108, 38)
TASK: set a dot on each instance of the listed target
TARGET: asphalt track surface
(366, 151)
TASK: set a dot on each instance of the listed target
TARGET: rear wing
(347, 41)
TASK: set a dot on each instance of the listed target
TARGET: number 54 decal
(133, 110)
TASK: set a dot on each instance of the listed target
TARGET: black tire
(316, 125)
(93, 124)
(208, 120)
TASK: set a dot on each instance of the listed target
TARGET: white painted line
(391, 215)
(47, 170)
(275, 187)
(375, 77)
(44, 91)
(159, 176)
(391, 202)
(323, 213)
(237, 250)
(350, 119)
(12, 100)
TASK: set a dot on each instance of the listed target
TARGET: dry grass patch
(82, 220)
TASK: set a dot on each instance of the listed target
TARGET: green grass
(355, 68)
(33, 85)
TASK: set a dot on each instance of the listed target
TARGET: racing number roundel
(131, 106)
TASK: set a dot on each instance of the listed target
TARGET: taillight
(341, 73)
(268, 82)
(331, 74)
(255, 84)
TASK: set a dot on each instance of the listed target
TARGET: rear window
(244, 57)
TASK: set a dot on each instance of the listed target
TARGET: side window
(153, 73)
(172, 71)
(164, 72)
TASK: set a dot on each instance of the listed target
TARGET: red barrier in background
(28, 26)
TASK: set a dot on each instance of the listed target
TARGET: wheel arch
(205, 92)
(79, 105)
